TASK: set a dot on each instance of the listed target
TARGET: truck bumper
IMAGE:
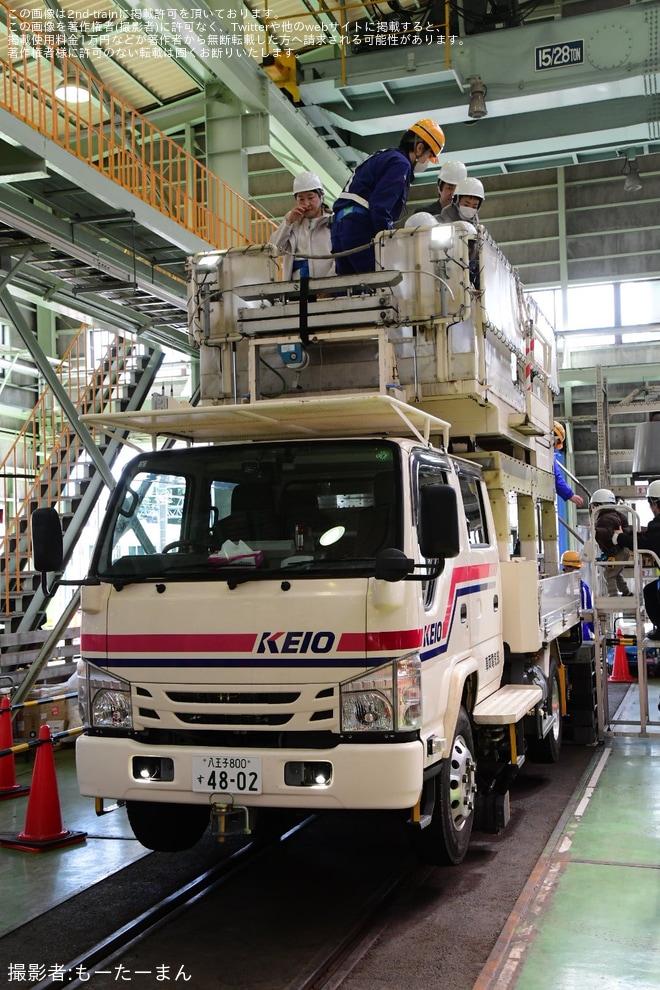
(377, 777)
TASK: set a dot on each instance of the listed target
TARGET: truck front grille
(234, 697)
(250, 707)
(239, 719)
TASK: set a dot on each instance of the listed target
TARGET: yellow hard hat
(570, 559)
(431, 134)
(559, 431)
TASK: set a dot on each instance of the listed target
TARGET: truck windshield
(258, 510)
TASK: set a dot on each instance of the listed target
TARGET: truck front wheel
(445, 839)
(167, 827)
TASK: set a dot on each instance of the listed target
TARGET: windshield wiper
(241, 575)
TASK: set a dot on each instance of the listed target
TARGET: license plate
(226, 773)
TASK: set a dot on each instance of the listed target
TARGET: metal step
(508, 705)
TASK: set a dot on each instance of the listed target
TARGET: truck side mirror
(47, 544)
(438, 527)
(392, 565)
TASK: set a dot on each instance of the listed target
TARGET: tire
(445, 840)
(167, 827)
(547, 750)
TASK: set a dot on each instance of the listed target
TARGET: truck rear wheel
(167, 827)
(445, 840)
(547, 750)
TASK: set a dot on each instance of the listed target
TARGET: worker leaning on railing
(376, 193)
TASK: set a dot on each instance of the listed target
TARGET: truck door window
(474, 511)
(429, 473)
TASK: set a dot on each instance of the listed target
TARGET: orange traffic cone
(8, 786)
(43, 822)
(620, 670)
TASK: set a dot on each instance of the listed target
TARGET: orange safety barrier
(43, 822)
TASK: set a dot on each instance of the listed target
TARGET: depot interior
(131, 140)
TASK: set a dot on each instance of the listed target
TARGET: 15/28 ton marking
(558, 56)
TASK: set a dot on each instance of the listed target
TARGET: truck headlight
(109, 700)
(386, 699)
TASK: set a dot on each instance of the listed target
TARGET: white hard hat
(452, 172)
(469, 187)
(307, 182)
(603, 496)
(421, 220)
(653, 491)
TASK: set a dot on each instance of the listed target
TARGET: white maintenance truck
(333, 584)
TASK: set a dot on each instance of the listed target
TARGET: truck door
(483, 603)
(445, 631)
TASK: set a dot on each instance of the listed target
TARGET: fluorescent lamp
(70, 90)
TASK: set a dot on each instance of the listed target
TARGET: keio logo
(296, 642)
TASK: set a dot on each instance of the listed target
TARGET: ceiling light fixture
(478, 90)
(630, 169)
(70, 89)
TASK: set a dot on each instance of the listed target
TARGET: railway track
(336, 903)
(329, 973)
(136, 949)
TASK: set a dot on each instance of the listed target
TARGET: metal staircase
(54, 462)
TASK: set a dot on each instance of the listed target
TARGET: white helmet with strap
(452, 172)
(603, 496)
(307, 182)
(653, 491)
(469, 186)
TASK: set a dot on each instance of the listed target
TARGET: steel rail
(135, 931)
(330, 971)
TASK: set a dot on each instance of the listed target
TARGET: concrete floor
(36, 881)
(588, 918)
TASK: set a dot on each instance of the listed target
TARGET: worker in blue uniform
(564, 490)
(374, 197)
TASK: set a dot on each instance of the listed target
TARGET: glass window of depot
(590, 307)
(549, 301)
(640, 303)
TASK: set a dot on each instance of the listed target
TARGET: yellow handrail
(403, 29)
(113, 138)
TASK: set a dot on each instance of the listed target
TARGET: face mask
(467, 213)
(420, 167)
